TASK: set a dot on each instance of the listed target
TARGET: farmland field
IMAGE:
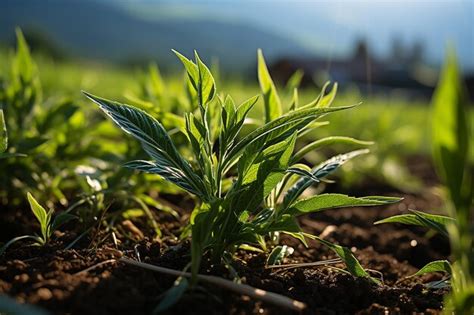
(271, 193)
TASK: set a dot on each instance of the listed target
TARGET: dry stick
(95, 266)
(301, 265)
(244, 289)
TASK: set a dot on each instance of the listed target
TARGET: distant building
(398, 71)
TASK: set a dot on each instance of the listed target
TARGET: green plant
(450, 137)
(48, 224)
(39, 132)
(248, 186)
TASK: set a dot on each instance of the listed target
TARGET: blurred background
(386, 54)
(375, 46)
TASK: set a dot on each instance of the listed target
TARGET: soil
(88, 279)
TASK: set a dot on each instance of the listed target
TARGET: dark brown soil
(89, 280)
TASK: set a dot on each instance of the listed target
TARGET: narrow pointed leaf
(327, 100)
(432, 221)
(41, 215)
(450, 132)
(191, 69)
(352, 264)
(173, 175)
(319, 172)
(206, 83)
(173, 295)
(154, 139)
(270, 95)
(4, 248)
(259, 174)
(331, 201)
(294, 81)
(279, 128)
(328, 141)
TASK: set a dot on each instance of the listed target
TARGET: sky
(332, 27)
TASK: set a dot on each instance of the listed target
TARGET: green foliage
(439, 223)
(451, 155)
(43, 135)
(353, 265)
(172, 295)
(435, 266)
(278, 254)
(270, 96)
(261, 165)
(450, 133)
(48, 224)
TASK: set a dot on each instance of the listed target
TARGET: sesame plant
(248, 186)
(450, 138)
(48, 224)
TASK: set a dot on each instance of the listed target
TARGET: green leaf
(270, 95)
(173, 295)
(197, 134)
(318, 99)
(279, 129)
(206, 84)
(437, 222)
(155, 141)
(352, 264)
(16, 239)
(318, 173)
(191, 69)
(23, 65)
(328, 141)
(435, 266)
(41, 215)
(170, 174)
(244, 108)
(294, 81)
(285, 223)
(278, 254)
(331, 201)
(233, 120)
(450, 133)
(261, 171)
(295, 100)
(3, 133)
(326, 100)
(156, 86)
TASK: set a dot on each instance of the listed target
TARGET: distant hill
(99, 30)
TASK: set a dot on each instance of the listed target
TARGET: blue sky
(331, 27)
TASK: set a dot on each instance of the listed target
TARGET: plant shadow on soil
(57, 280)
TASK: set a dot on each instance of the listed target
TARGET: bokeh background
(386, 54)
(379, 46)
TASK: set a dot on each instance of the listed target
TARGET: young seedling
(47, 223)
(451, 156)
(248, 186)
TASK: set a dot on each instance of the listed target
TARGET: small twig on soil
(302, 265)
(244, 289)
(377, 272)
(95, 266)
